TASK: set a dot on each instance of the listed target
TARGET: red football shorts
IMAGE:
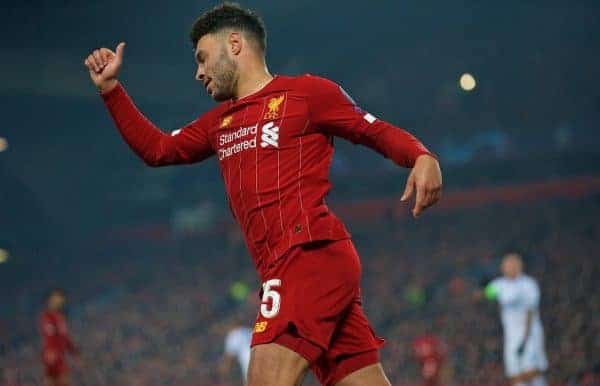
(55, 364)
(311, 305)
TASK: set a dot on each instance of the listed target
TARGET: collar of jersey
(265, 88)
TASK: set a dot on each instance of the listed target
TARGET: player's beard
(225, 78)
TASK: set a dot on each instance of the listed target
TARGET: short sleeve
(531, 294)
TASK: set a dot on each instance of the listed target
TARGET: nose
(200, 73)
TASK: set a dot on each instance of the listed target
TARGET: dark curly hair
(230, 15)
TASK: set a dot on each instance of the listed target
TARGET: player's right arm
(187, 145)
(48, 330)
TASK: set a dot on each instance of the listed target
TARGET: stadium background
(151, 259)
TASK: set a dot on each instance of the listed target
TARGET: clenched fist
(104, 66)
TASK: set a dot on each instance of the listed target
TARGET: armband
(491, 292)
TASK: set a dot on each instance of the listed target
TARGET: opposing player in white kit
(519, 298)
(237, 346)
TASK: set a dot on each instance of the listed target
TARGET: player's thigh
(534, 357)
(275, 365)
(354, 347)
(372, 375)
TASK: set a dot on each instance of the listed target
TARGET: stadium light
(3, 144)
(467, 82)
(3, 255)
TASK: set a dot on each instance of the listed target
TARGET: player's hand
(104, 66)
(426, 178)
(521, 349)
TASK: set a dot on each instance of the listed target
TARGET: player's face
(56, 302)
(216, 69)
(511, 267)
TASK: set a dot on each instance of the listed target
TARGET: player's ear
(235, 43)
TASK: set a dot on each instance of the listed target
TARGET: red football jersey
(55, 335)
(274, 148)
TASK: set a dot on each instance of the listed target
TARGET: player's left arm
(335, 113)
(71, 346)
(532, 300)
(529, 318)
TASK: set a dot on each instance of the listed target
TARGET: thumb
(410, 184)
(120, 50)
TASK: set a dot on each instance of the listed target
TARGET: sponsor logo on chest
(234, 141)
(270, 135)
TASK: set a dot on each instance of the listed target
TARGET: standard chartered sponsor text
(240, 146)
(236, 148)
(237, 134)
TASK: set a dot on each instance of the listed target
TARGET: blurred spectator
(431, 353)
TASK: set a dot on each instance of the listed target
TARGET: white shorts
(533, 358)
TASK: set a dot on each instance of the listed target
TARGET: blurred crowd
(161, 319)
(437, 266)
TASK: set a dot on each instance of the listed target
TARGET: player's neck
(254, 79)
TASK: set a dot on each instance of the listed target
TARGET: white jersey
(517, 297)
(237, 344)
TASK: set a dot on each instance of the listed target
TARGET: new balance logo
(270, 135)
